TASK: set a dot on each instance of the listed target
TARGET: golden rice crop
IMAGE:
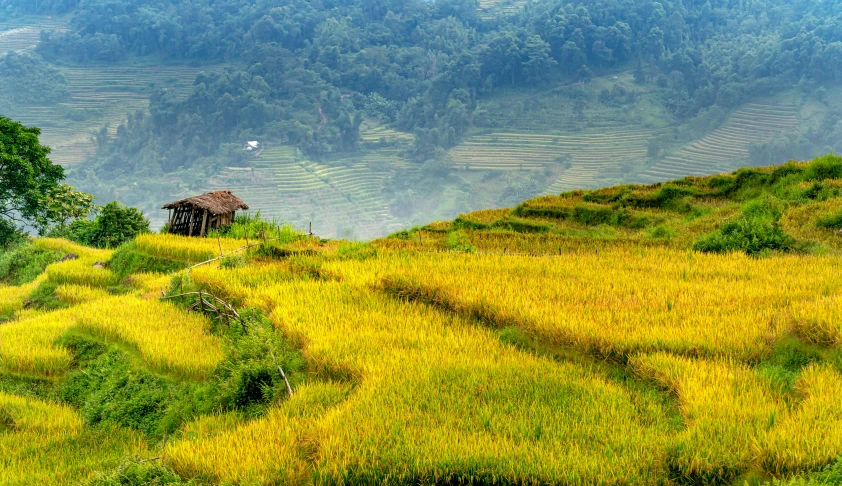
(438, 398)
(262, 451)
(810, 436)
(728, 408)
(167, 338)
(150, 282)
(81, 272)
(83, 252)
(617, 301)
(13, 297)
(800, 221)
(54, 420)
(47, 443)
(26, 346)
(406, 392)
(79, 294)
(183, 248)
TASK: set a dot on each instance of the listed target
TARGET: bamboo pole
(283, 375)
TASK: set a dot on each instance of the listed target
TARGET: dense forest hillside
(374, 115)
(679, 333)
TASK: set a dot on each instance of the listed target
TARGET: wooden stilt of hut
(197, 215)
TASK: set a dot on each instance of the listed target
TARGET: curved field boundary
(726, 147)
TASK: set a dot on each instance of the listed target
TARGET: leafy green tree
(26, 175)
(64, 204)
(538, 63)
(117, 224)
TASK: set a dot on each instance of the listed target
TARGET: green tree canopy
(26, 177)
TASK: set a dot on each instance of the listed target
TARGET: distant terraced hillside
(22, 34)
(590, 155)
(100, 96)
(488, 9)
(727, 147)
(344, 199)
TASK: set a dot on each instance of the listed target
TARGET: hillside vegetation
(679, 333)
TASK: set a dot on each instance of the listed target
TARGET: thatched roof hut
(197, 215)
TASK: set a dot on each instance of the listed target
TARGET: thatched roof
(217, 202)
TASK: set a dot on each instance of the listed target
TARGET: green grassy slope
(796, 207)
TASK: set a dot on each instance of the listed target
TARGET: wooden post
(204, 223)
(190, 222)
(219, 242)
(201, 303)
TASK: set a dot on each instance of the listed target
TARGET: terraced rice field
(99, 96)
(490, 8)
(590, 155)
(21, 35)
(727, 147)
(383, 134)
(340, 200)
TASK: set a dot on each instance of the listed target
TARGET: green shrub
(468, 224)
(254, 227)
(458, 241)
(107, 389)
(114, 225)
(593, 215)
(135, 473)
(558, 213)
(24, 262)
(827, 167)
(522, 226)
(667, 197)
(662, 232)
(233, 261)
(755, 231)
(128, 260)
(44, 298)
(833, 221)
(248, 379)
(117, 224)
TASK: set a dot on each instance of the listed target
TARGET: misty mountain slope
(396, 113)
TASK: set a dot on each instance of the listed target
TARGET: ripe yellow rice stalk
(13, 297)
(617, 301)
(263, 451)
(727, 407)
(819, 321)
(26, 346)
(83, 252)
(79, 294)
(168, 339)
(81, 272)
(54, 420)
(437, 398)
(150, 284)
(183, 248)
(47, 443)
(811, 435)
